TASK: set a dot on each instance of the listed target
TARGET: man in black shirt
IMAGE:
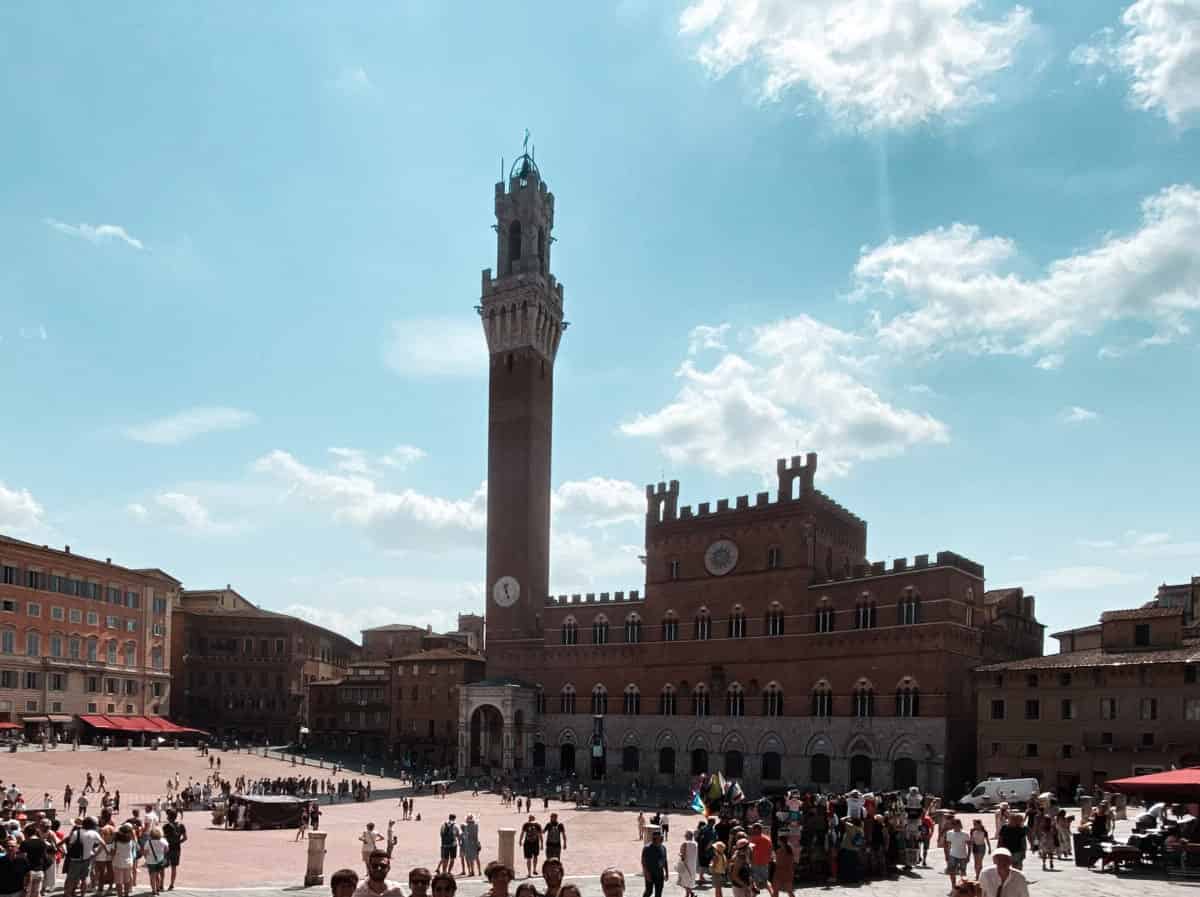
(531, 841)
(14, 868)
(654, 865)
(556, 837)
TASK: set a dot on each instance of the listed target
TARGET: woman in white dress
(689, 855)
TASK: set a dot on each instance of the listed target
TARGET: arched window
(737, 622)
(775, 619)
(8, 641)
(772, 765)
(865, 612)
(93, 647)
(570, 631)
(703, 625)
(539, 699)
(666, 701)
(824, 616)
(566, 699)
(666, 761)
(908, 698)
(633, 629)
(774, 557)
(772, 700)
(514, 245)
(700, 703)
(735, 764)
(630, 758)
(633, 700)
(33, 644)
(599, 700)
(600, 630)
(909, 608)
(735, 700)
(820, 769)
(864, 699)
(670, 627)
(131, 654)
(110, 652)
(822, 700)
(156, 657)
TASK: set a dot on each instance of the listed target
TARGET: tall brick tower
(522, 313)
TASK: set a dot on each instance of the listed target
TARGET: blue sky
(952, 247)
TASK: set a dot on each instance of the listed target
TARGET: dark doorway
(487, 737)
(630, 759)
(539, 756)
(699, 761)
(772, 766)
(735, 764)
(860, 771)
(904, 772)
(566, 758)
(666, 761)
(820, 769)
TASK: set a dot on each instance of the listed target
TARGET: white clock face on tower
(720, 557)
(506, 591)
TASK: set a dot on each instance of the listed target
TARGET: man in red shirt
(760, 854)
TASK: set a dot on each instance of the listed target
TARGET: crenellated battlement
(901, 565)
(633, 597)
(795, 482)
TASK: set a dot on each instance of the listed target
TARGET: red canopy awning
(1175, 785)
(10, 726)
(153, 725)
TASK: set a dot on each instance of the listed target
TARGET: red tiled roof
(1098, 657)
(1140, 613)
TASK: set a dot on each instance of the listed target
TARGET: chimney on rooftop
(67, 549)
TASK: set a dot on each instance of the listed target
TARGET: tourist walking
(448, 836)
(556, 837)
(783, 879)
(685, 867)
(958, 849)
(717, 867)
(531, 844)
(469, 845)
(654, 865)
(175, 833)
(370, 843)
(1012, 838)
(1001, 879)
(981, 845)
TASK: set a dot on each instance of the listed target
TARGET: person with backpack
(82, 845)
(448, 836)
(556, 837)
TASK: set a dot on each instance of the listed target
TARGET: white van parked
(991, 792)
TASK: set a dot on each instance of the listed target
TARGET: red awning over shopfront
(1175, 785)
(154, 725)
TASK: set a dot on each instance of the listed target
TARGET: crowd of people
(100, 853)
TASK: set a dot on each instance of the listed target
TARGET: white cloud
(704, 336)
(402, 456)
(921, 389)
(1082, 577)
(873, 64)
(1051, 362)
(1159, 52)
(437, 347)
(100, 233)
(1153, 544)
(138, 511)
(184, 425)
(351, 603)
(353, 79)
(1077, 415)
(19, 510)
(801, 383)
(964, 297)
(399, 520)
(600, 501)
(579, 564)
(188, 512)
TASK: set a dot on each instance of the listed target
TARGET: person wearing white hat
(1001, 879)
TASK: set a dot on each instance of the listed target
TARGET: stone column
(315, 873)
(506, 851)
(464, 748)
(507, 747)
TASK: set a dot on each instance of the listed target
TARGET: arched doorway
(539, 756)
(772, 765)
(860, 771)
(904, 772)
(820, 769)
(699, 761)
(566, 758)
(666, 761)
(487, 737)
(735, 764)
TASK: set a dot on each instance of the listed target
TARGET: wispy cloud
(19, 510)
(96, 233)
(873, 64)
(437, 347)
(189, 512)
(1081, 578)
(353, 79)
(1077, 415)
(184, 425)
